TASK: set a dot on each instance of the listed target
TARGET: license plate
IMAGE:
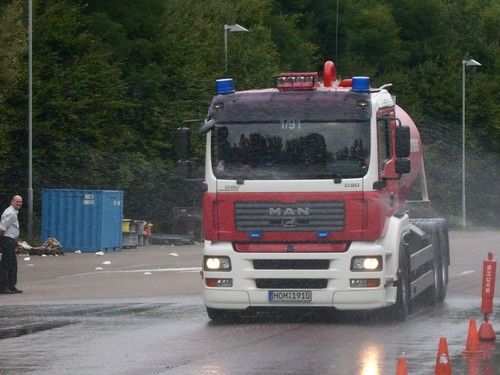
(290, 296)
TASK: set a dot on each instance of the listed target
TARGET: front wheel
(222, 315)
(401, 309)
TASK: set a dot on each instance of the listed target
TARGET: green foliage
(13, 48)
(373, 39)
(424, 32)
(113, 80)
(13, 40)
(78, 93)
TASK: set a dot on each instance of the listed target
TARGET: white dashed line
(466, 273)
(183, 269)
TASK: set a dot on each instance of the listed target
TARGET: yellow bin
(126, 225)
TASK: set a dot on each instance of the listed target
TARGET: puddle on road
(34, 319)
(30, 328)
(107, 310)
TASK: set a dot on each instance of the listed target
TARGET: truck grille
(301, 216)
(291, 264)
(291, 283)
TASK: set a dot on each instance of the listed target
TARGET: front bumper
(247, 291)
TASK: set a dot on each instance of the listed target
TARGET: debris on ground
(50, 247)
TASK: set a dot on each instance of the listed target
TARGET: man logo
(288, 211)
(289, 222)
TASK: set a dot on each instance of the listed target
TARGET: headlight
(216, 263)
(366, 263)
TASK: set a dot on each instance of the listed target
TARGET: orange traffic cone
(402, 369)
(472, 346)
(486, 332)
(443, 365)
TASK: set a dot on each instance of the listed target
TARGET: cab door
(389, 188)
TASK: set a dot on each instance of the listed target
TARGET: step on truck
(309, 200)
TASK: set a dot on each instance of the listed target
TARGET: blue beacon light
(361, 84)
(322, 234)
(224, 86)
(256, 234)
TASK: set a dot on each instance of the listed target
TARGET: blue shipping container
(86, 220)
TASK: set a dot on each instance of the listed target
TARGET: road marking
(461, 274)
(182, 269)
(466, 273)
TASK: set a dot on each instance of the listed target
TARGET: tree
(113, 80)
(373, 40)
(12, 67)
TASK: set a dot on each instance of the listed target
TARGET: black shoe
(15, 290)
(6, 291)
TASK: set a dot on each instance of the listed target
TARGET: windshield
(290, 150)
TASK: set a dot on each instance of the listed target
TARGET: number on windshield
(290, 124)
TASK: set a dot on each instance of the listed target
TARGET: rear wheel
(444, 250)
(436, 290)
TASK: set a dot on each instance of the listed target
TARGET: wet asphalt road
(141, 311)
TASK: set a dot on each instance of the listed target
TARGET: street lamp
(30, 122)
(227, 28)
(464, 64)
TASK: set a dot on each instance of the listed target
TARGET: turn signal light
(219, 283)
(365, 283)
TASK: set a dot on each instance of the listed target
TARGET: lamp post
(30, 122)
(464, 64)
(227, 28)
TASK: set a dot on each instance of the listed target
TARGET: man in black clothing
(9, 232)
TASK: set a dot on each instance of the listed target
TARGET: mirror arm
(381, 184)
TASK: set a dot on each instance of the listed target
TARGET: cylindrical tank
(407, 180)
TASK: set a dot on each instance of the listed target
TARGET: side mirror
(403, 148)
(403, 166)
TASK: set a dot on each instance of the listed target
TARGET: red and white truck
(306, 200)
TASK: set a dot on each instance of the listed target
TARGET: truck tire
(444, 248)
(222, 315)
(436, 291)
(402, 308)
